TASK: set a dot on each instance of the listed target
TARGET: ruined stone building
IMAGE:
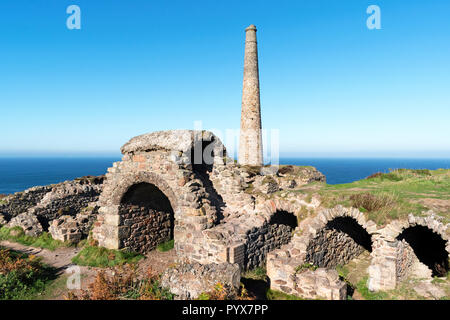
(226, 217)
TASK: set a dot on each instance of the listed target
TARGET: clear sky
(328, 83)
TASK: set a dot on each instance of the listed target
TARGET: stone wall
(162, 159)
(313, 284)
(189, 280)
(310, 241)
(50, 202)
(20, 202)
(393, 260)
(404, 260)
(147, 227)
(338, 243)
(261, 241)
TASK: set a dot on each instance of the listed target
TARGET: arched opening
(340, 241)
(284, 219)
(202, 158)
(148, 214)
(428, 247)
(260, 241)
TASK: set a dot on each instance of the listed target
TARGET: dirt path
(61, 259)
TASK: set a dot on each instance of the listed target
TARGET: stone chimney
(250, 140)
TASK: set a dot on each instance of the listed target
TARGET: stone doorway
(149, 216)
(428, 247)
(341, 240)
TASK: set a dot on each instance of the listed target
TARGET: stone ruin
(225, 217)
(66, 210)
(218, 212)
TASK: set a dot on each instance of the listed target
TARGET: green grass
(397, 193)
(305, 267)
(278, 295)
(258, 273)
(45, 240)
(165, 246)
(367, 294)
(101, 257)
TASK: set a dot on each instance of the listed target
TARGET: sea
(18, 174)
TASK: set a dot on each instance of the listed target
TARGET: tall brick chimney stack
(250, 140)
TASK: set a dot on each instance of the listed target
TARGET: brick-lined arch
(282, 263)
(392, 258)
(126, 183)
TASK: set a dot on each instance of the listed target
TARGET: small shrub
(101, 257)
(268, 180)
(286, 169)
(223, 292)
(375, 175)
(165, 246)
(122, 282)
(22, 276)
(305, 267)
(371, 202)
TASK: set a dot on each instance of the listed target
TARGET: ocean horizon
(20, 173)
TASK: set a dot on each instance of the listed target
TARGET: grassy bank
(45, 240)
(93, 256)
(389, 196)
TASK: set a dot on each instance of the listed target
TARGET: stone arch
(338, 236)
(395, 259)
(275, 229)
(110, 230)
(147, 213)
(202, 157)
(283, 264)
(420, 234)
(125, 183)
(428, 247)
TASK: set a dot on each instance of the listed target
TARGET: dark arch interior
(202, 166)
(352, 228)
(285, 218)
(429, 248)
(146, 194)
(150, 217)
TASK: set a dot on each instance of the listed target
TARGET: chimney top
(251, 27)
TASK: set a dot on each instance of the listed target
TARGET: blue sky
(328, 83)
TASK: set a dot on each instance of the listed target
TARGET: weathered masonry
(418, 247)
(161, 191)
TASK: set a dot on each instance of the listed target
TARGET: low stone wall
(147, 227)
(73, 229)
(189, 280)
(28, 222)
(50, 202)
(20, 202)
(313, 284)
(68, 198)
